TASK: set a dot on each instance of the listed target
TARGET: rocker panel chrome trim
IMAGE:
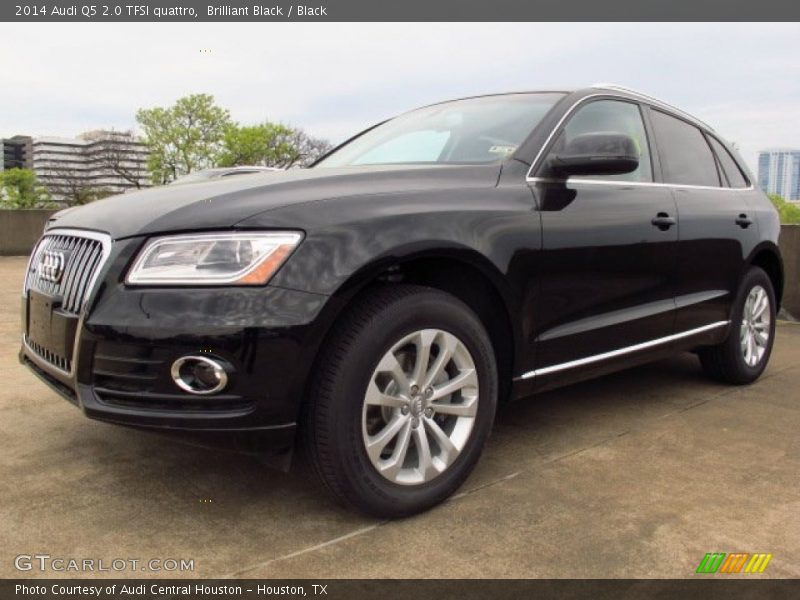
(621, 351)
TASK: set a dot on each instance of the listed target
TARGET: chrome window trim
(618, 182)
(644, 98)
(651, 100)
(620, 351)
(30, 353)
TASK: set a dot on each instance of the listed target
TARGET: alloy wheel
(420, 407)
(755, 328)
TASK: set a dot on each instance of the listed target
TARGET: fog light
(199, 374)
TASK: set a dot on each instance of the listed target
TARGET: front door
(609, 252)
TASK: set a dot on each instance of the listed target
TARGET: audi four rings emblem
(51, 266)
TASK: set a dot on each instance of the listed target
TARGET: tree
(19, 188)
(184, 137)
(266, 144)
(70, 187)
(789, 213)
(112, 153)
(308, 149)
(270, 145)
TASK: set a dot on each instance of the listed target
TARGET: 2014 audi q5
(385, 300)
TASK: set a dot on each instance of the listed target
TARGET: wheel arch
(461, 272)
(767, 257)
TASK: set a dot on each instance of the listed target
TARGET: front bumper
(127, 338)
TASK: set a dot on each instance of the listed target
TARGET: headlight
(212, 259)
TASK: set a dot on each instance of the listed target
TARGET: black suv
(386, 299)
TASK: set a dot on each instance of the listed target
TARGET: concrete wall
(790, 249)
(20, 229)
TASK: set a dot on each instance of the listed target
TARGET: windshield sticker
(504, 150)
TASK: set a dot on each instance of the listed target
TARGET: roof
(597, 87)
(613, 87)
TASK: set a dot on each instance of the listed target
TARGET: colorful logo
(737, 562)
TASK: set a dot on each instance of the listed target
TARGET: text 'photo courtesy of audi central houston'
(379, 306)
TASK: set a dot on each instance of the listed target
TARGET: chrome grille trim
(86, 252)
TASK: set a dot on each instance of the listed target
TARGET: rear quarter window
(732, 171)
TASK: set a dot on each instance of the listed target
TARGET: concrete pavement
(636, 474)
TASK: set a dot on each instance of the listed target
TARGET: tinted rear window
(686, 157)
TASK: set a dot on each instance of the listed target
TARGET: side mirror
(596, 154)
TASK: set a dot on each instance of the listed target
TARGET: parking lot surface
(636, 474)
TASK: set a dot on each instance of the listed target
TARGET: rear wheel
(743, 356)
(403, 401)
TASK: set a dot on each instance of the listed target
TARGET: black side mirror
(602, 153)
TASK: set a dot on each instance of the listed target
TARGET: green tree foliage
(19, 188)
(269, 145)
(789, 213)
(183, 137)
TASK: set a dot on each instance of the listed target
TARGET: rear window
(729, 166)
(686, 157)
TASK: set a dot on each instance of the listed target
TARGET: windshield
(472, 131)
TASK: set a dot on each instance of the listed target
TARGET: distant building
(16, 153)
(106, 162)
(779, 173)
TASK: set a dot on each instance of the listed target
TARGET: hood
(221, 204)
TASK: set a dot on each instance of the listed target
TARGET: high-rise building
(107, 162)
(779, 173)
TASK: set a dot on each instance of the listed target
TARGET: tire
(730, 362)
(355, 370)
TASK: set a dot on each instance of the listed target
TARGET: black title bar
(398, 10)
(398, 589)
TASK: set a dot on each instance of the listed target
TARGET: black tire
(725, 362)
(332, 421)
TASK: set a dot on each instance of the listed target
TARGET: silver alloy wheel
(420, 407)
(754, 331)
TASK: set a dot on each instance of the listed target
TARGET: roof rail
(622, 88)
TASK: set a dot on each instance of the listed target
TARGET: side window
(729, 166)
(611, 116)
(686, 157)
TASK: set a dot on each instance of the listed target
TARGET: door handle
(744, 221)
(663, 221)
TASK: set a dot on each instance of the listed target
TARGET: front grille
(64, 265)
(54, 359)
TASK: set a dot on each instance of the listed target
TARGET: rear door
(609, 252)
(716, 228)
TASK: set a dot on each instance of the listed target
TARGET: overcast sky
(334, 79)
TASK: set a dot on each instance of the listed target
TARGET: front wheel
(403, 400)
(743, 356)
